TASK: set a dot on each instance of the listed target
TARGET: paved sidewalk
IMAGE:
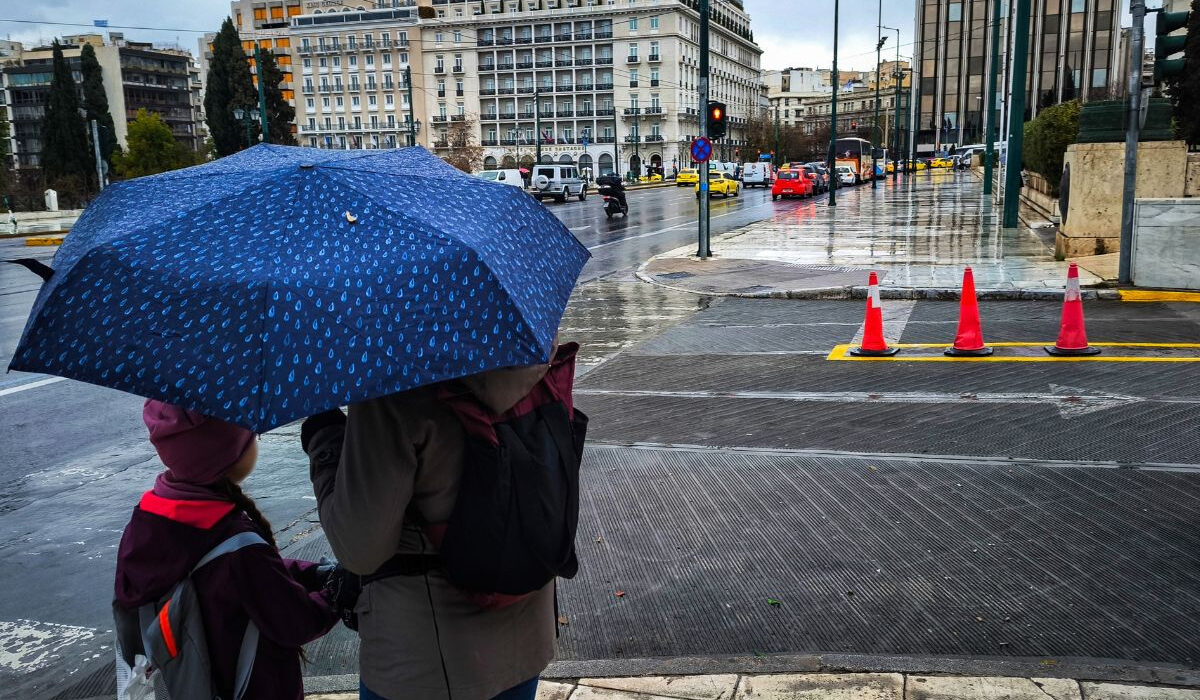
(833, 686)
(918, 234)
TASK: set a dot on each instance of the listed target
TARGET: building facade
(856, 113)
(791, 89)
(606, 86)
(1073, 51)
(136, 76)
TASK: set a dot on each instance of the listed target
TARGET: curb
(909, 293)
(1076, 668)
(43, 240)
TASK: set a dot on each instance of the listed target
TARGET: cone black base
(981, 352)
(1066, 352)
(860, 352)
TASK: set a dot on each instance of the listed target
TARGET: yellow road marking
(1151, 295)
(42, 241)
(841, 352)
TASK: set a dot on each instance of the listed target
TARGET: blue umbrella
(279, 282)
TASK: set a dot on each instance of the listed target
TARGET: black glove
(342, 589)
(315, 424)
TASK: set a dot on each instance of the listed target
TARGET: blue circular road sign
(701, 149)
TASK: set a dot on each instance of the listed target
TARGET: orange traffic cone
(873, 344)
(1072, 338)
(969, 340)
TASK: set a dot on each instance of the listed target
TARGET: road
(77, 457)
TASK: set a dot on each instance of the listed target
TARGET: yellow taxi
(723, 183)
(650, 178)
(687, 176)
(941, 163)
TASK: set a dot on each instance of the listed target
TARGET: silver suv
(558, 181)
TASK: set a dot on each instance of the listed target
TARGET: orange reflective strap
(164, 623)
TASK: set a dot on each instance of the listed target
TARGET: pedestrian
(386, 478)
(196, 504)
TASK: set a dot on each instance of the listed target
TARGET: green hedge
(1047, 138)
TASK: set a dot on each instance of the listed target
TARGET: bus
(856, 153)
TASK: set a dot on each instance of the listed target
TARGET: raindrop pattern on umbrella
(249, 295)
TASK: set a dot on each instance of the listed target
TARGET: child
(195, 505)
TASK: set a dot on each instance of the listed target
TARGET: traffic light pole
(705, 250)
(262, 94)
(833, 178)
(1016, 116)
(1138, 9)
(537, 128)
(992, 88)
(412, 110)
(878, 58)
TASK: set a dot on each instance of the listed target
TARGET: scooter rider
(611, 186)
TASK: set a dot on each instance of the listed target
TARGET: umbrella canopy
(281, 281)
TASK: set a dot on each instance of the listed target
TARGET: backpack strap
(249, 648)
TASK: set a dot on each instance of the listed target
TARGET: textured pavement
(918, 233)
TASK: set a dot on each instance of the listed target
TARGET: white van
(508, 176)
(756, 174)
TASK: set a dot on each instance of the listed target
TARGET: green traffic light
(1167, 22)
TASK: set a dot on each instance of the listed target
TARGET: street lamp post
(898, 77)
(832, 157)
(879, 39)
(244, 117)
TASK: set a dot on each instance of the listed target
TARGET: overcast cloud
(791, 32)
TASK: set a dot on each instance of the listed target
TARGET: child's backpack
(162, 653)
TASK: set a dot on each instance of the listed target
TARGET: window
(337, 61)
(389, 101)
(307, 64)
(654, 22)
(323, 62)
(633, 23)
(955, 12)
(633, 50)
(438, 37)
(369, 60)
(1078, 5)
(372, 101)
(387, 60)
(458, 36)
(353, 61)
(312, 124)
(325, 103)
(341, 103)
(310, 104)
(355, 102)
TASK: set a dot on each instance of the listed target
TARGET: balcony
(606, 139)
(652, 110)
(584, 87)
(564, 88)
(604, 87)
(489, 142)
(508, 142)
(654, 82)
(487, 66)
(504, 41)
(583, 36)
(604, 60)
(633, 59)
(605, 112)
(562, 63)
(502, 66)
(604, 35)
(583, 61)
(525, 90)
(632, 110)
(524, 65)
(633, 139)
(545, 64)
(566, 112)
(655, 58)
(458, 118)
(548, 115)
(563, 37)
(525, 40)
(458, 68)
(655, 138)
(544, 39)
(439, 70)
(487, 92)
(485, 41)
(439, 119)
(441, 93)
(528, 115)
(506, 90)
(633, 83)
(491, 117)
(508, 116)
(585, 113)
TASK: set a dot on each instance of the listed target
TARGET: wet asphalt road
(76, 457)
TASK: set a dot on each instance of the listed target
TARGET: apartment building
(1073, 54)
(136, 75)
(856, 113)
(791, 89)
(605, 85)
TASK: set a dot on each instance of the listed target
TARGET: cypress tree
(65, 148)
(229, 87)
(280, 114)
(95, 101)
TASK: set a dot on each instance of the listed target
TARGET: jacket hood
(501, 389)
(163, 541)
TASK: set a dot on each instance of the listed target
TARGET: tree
(465, 152)
(152, 148)
(1047, 138)
(95, 102)
(229, 87)
(280, 114)
(1186, 91)
(65, 148)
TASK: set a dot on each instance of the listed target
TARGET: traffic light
(716, 120)
(1166, 46)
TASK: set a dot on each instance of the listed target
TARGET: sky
(792, 33)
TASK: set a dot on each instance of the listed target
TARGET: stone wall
(1166, 243)
(1036, 196)
(1092, 225)
(1192, 187)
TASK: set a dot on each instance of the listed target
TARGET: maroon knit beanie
(196, 449)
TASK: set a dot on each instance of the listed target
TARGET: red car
(791, 183)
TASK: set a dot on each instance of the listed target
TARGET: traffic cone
(1072, 338)
(969, 340)
(873, 344)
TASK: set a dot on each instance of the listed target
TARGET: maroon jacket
(163, 541)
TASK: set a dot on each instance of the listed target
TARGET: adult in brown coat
(421, 637)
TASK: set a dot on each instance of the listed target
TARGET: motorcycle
(613, 206)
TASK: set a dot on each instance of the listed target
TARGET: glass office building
(1073, 51)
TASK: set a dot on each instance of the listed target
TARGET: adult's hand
(315, 424)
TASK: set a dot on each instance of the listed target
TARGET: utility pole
(1132, 132)
(879, 39)
(96, 154)
(705, 249)
(412, 108)
(833, 178)
(992, 88)
(262, 93)
(1016, 116)
(637, 137)
(537, 125)
(775, 155)
(898, 77)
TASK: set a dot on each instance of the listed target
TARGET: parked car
(792, 183)
(756, 174)
(721, 182)
(819, 181)
(687, 176)
(558, 181)
(822, 170)
(846, 175)
(942, 162)
(508, 176)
